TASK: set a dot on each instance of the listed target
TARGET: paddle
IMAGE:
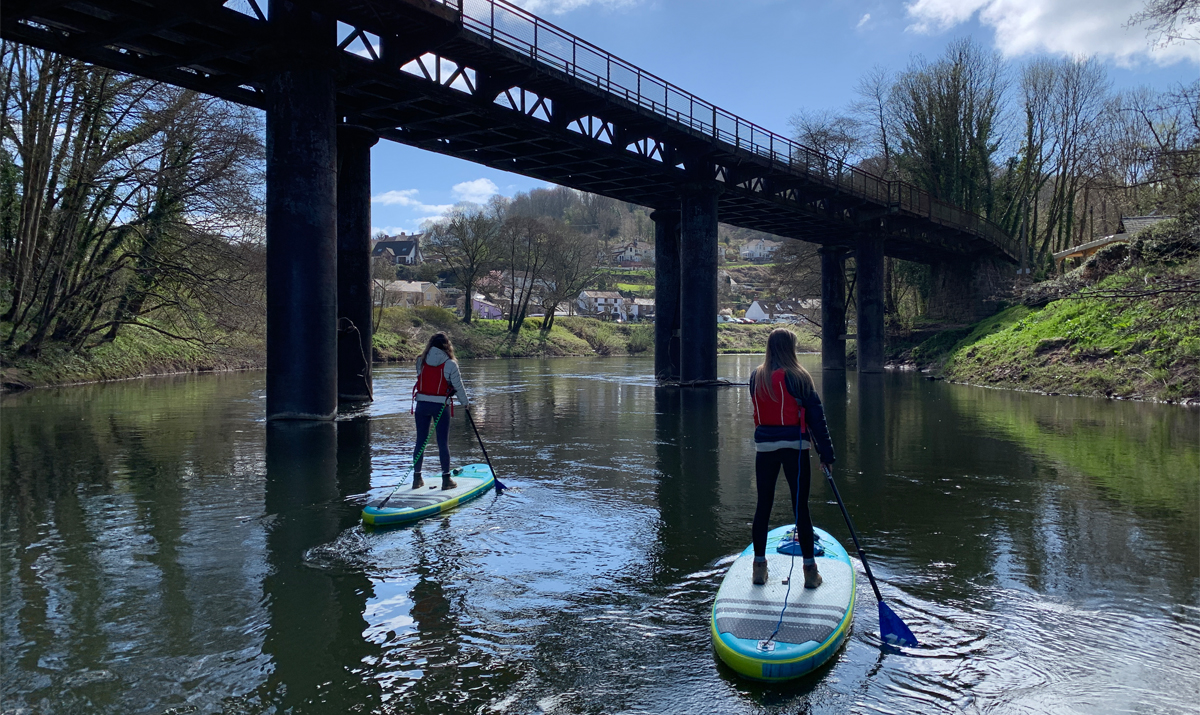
(891, 628)
(417, 456)
(499, 485)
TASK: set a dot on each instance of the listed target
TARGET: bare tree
(527, 242)
(571, 268)
(1169, 20)
(838, 137)
(137, 204)
(468, 241)
(876, 116)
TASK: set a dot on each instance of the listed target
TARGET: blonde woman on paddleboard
(788, 417)
(437, 379)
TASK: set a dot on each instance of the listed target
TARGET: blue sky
(765, 60)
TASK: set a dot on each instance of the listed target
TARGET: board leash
(421, 451)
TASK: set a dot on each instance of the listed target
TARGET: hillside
(1125, 324)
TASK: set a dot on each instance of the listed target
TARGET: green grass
(1145, 348)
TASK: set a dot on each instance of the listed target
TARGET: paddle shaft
(850, 525)
(421, 451)
(499, 485)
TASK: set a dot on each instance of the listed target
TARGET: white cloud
(558, 7)
(477, 191)
(865, 19)
(408, 198)
(1063, 27)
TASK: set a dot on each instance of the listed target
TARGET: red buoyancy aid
(778, 410)
(432, 381)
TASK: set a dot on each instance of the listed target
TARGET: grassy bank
(1125, 324)
(136, 352)
(403, 332)
(740, 338)
(401, 335)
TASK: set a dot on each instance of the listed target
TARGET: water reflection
(163, 549)
(315, 622)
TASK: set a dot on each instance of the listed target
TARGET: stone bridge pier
(969, 289)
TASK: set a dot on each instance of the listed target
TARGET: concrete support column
(870, 303)
(833, 307)
(666, 294)
(354, 262)
(301, 219)
(698, 283)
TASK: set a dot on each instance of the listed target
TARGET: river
(164, 550)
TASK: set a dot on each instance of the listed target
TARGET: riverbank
(400, 336)
(1125, 324)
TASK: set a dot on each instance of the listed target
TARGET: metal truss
(486, 81)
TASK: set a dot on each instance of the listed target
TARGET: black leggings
(798, 473)
(425, 412)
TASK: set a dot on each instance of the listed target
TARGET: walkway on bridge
(486, 81)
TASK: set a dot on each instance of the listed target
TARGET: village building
(402, 250)
(641, 309)
(481, 308)
(408, 294)
(759, 250)
(1127, 229)
(634, 254)
(602, 304)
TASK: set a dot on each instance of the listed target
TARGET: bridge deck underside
(502, 109)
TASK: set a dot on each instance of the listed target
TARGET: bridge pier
(833, 307)
(354, 323)
(965, 290)
(301, 220)
(698, 283)
(666, 294)
(869, 300)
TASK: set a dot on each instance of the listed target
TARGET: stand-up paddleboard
(407, 505)
(815, 623)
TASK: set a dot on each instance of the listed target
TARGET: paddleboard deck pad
(815, 623)
(407, 505)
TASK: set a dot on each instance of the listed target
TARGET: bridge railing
(510, 26)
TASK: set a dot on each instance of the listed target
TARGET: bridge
(488, 82)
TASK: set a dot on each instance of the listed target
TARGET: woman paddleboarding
(437, 379)
(788, 417)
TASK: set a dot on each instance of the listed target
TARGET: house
(399, 250)
(634, 254)
(480, 308)
(1128, 228)
(602, 304)
(759, 249)
(410, 294)
(641, 309)
(759, 312)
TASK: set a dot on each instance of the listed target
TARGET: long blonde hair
(781, 355)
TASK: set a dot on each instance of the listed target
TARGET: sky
(766, 60)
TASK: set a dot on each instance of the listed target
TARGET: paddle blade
(499, 485)
(892, 629)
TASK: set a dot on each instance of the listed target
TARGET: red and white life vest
(777, 408)
(432, 381)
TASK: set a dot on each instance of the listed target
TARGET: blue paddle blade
(892, 629)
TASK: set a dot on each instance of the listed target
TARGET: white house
(641, 309)
(759, 249)
(634, 253)
(602, 303)
(399, 250)
(759, 312)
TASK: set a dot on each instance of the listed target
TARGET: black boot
(447, 482)
(417, 481)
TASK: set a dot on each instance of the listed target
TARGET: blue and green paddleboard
(815, 623)
(407, 505)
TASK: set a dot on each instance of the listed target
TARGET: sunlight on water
(164, 550)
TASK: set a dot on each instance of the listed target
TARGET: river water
(166, 551)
